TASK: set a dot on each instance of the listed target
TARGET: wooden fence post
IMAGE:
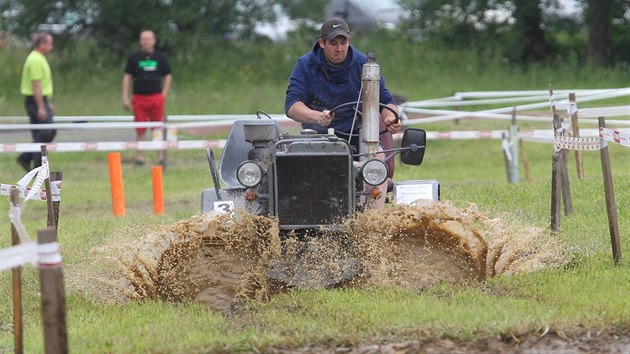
(576, 133)
(49, 202)
(555, 171)
(16, 275)
(611, 207)
(54, 177)
(52, 293)
(567, 201)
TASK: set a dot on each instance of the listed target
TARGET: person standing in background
(37, 88)
(151, 75)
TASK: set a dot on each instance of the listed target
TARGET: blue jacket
(321, 86)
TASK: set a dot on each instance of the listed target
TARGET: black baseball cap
(334, 27)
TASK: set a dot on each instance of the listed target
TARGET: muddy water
(216, 258)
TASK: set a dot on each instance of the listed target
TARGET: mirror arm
(413, 147)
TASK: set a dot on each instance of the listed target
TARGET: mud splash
(217, 258)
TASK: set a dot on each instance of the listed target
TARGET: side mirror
(413, 142)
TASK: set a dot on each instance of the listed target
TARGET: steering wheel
(353, 105)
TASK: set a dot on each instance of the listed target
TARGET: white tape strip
(570, 143)
(60, 126)
(125, 125)
(49, 255)
(18, 255)
(15, 216)
(583, 98)
(506, 149)
(115, 146)
(171, 118)
(55, 191)
(519, 93)
(615, 136)
(615, 111)
(45, 255)
(41, 172)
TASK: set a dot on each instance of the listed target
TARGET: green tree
(459, 23)
(115, 24)
(302, 10)
(607, 23)
(529, 41)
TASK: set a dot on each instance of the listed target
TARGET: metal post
(506, 156)
(371, 79)
(513, 146)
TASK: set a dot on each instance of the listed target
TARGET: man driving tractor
(329, 75)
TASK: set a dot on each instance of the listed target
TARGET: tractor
(309, 182)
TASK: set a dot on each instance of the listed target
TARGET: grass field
(589, 295)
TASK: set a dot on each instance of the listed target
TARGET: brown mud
(216, 259)
(577, 341)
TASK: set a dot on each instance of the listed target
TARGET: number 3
(224, 207)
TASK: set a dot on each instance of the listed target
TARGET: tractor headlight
(374, 172)
(249, 174)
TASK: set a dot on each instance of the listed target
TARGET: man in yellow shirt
(37, 89)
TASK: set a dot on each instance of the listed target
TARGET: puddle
(216, 258)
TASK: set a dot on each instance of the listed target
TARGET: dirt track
(578, 342)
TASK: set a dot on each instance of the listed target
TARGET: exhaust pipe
(371, 80)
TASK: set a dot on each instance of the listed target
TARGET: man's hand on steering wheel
(391, 121)
(325, 117)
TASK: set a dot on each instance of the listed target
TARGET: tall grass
(241, 77)
(590, 292)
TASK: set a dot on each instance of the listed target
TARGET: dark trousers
(39, 136)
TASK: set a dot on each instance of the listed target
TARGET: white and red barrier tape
(615, 136)
(115, 146)
(605, 135)
(570, 143)
(55, 191)
(45, 255)
(533, 135)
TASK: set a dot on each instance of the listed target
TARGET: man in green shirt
(37, 89)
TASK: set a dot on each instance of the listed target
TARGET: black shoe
(25, 165)
(139, 162)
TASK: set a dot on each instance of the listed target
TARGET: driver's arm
(299, 112)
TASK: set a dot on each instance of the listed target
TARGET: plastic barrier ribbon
(116, 146)
(41, 172)
(18, 255)
(44, 255)
(615, 136)
(570, 143)
(15, 216)
(506, 148)
(49, 255)
(55, 191)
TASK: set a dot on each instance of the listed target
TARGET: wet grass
(589, 292)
